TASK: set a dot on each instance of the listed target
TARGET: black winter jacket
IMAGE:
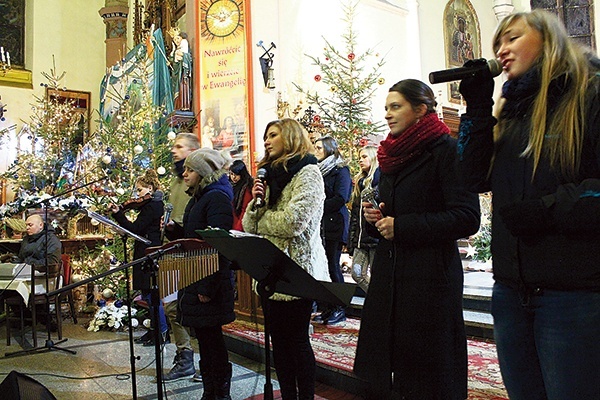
(563, 251)
(33, 251)
(336, 218)
(358, 235)
(211, 207)
(146, 225)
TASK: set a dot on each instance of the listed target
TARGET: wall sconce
(2, 110)
(266, 64)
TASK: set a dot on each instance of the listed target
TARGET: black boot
(208, 381)
(223, 383)
(183, 368)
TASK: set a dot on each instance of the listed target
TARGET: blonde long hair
(368, 175)
(295, 142)
(560, 55)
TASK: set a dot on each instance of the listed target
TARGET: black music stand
(124, 235)
(275, 272)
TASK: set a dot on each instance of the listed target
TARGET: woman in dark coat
(208, 304)
(149, 202)
(336, 217)
(412, 342)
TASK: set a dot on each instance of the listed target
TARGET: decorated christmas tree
(345, 111)
(53, 133)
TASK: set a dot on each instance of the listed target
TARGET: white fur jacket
(293, 223)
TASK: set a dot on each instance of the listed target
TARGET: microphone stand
(49, 344)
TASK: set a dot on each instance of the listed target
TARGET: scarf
(521, 92)
(395, 152)
(278, 176)
(179, 168)
(328, 164)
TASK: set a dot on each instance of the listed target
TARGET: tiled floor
(101, 369)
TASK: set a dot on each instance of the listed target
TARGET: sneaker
(336, 317)
(144, 338)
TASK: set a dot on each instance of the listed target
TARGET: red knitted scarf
(395, 152)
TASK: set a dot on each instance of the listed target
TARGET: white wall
(73, 32)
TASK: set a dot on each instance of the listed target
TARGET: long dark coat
(212, 207)
(412, 321)
(336, 218)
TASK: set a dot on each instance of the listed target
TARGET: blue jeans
(162, 319)
(548, 343)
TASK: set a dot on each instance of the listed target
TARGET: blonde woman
(542, 164)
(294, 195)
(361, 245)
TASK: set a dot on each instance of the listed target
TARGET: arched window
(577, 15)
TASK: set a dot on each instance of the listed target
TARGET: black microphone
(166, 217)
(262, 175)
(456, 74)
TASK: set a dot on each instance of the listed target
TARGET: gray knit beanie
(204, 161)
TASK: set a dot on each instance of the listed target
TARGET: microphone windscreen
(495, 67)
(261, 174)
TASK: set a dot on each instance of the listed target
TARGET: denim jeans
(548, 343)
(162, 319)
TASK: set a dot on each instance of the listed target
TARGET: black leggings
(292, 353)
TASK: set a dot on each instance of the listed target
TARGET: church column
(502, 8)
(114, 15)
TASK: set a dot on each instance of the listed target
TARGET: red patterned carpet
(335, 346)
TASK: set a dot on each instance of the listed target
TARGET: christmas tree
(54, 130)
(345, 112)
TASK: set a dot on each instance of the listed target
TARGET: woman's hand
(203, 298)
(258, 190)
(372, 215)
(114, 208)
(385, 226)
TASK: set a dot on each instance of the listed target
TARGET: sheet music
(116, 227)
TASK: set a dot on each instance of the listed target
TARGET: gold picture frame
(462, 39)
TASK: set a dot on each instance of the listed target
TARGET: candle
(8, 58)
(2, 54)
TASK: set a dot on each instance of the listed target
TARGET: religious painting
(79, 104)
(224, 77)
(462, 39)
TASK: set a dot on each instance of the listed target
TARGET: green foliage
(345, 112)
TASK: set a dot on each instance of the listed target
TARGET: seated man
(33, 247)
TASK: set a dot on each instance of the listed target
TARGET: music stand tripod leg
(265, 289)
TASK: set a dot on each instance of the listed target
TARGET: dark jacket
(563, 250)
(146, 225)
(338, 187)
(211, 207)
(33, 251)
(358, 235)
(412, 319)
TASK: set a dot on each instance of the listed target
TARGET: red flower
(351, 56)
(317, 78)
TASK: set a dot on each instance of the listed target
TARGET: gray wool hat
(205, 161)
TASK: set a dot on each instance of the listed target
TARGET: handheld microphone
(166, 218)
(456, 74)
(262, 175)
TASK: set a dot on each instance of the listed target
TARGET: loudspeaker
(18, 386)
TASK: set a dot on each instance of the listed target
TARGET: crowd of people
(400, 218)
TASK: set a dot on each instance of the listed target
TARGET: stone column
(114, 15)
(502, 8)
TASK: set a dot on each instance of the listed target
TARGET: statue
(181, 78)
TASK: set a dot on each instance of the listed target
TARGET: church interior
(93, 92)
